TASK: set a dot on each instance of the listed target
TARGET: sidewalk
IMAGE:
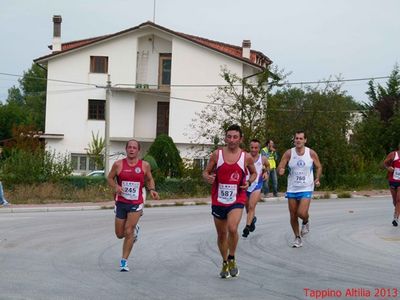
(79, 206)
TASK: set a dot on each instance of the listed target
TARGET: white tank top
(259, 168)
(301, 176)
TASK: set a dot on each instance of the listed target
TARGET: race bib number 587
(227, 193)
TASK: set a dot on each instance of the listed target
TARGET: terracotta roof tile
(256, 58)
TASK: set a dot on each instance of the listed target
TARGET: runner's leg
(293, 205)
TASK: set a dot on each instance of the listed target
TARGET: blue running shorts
(299, 195)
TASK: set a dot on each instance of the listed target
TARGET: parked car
(96, 173)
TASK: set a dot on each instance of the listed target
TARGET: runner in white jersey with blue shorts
(301, 161)
(254, 190)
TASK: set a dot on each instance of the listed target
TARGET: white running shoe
(305, 228)
(297, 243)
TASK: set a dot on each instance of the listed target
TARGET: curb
(149, 204)
(48, 209)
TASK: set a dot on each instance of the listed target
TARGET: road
(75, 255)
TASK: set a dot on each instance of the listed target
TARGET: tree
(242, 101)
(378, 133)
(325, 115)
(25, 105)
(12, 113)
(164, 151)
(33, 84)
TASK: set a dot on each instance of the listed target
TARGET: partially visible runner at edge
(228, 194)
(128, 177)
(392, 165)
(301, 161)
(254, 190)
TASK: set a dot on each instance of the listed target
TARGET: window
(83, 163)
(162, 118)
(96, 109)
(200, 163)
(164, 79)
(99, 64)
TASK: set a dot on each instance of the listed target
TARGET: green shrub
(24, 167)
(178, 188)
(167, 156)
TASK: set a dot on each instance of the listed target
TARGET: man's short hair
(255, 141)
(132, 140)
(301, 131)
(234, 127)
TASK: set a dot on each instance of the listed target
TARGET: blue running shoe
(124, 265)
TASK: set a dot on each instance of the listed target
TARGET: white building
(159, 79)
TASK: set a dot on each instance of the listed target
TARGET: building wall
(194, 66)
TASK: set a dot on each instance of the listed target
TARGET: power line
(48, 79)
(205, 85)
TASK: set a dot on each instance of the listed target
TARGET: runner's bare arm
(282, 165)
(111, 177)
(318, 167)
(150, 184)
(249, 164)
(266, 165)
(388, 161)
(207, 173)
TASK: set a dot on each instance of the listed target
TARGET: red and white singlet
(395, 176)
(131, 179)
(229, 177)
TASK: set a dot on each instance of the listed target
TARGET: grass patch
(201, 203)
(344, 195)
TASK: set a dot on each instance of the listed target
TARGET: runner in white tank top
(301, 161)
(301, 176)
(254, 190)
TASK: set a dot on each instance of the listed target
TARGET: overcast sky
(313, 39)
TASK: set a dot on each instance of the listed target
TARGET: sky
(314, 40)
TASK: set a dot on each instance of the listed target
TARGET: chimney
(246, 45)
(57, 33)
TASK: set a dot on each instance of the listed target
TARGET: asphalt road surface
(351, 252)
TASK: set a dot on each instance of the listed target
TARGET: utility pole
(154, 11)
(107, 127)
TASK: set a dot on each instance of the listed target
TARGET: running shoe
(253, 224)
(246, 231)
(5, 203)
(233, 269)
(297, 243)
(305, 228)
(395, 222)
(124, 265)
(136, 233)
(225, 270)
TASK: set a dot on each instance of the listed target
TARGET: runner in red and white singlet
(392, 165)
(228, 194)
(127, 177)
